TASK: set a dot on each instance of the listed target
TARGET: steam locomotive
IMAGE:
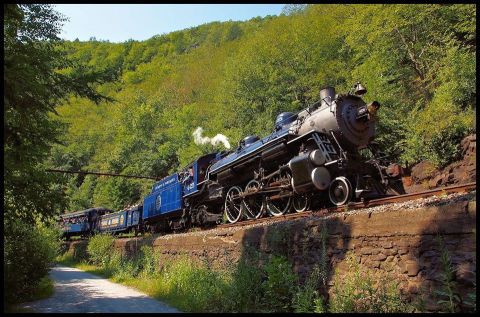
(321, 156)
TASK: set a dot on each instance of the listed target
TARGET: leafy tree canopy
(38, 77)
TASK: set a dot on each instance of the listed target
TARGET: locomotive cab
(195, 173)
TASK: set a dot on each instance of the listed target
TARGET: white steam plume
(219, 138)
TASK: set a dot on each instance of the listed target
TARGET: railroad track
(351, 206)
(357, 205)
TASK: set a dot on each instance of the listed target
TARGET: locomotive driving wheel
(279, 203)
(340, 191)
(301, 203)
(233, 204)
(254, 204)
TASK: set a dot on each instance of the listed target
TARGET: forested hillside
(233, 78)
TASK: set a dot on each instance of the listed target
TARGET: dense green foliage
(100, 249)
(38, 77)
(27, 256)
(365, 291)
(233, 78)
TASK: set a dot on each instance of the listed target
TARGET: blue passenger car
(122, 221)
(113, 222)
(81, 223)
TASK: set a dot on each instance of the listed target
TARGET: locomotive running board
(302, 136)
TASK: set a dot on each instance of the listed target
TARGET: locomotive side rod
(267, 190)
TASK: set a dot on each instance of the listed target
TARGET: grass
(44, 290)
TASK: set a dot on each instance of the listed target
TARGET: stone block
(402, 251)
(387, 244)
(380, 257)
(392, 251)
(465, 273)
(422, 171)
(402, 242)
(387, 266)
(412, 268)
(366, 251)
(437, 181)
(413, 287)
(372, 264)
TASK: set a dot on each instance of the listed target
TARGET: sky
(121, 22)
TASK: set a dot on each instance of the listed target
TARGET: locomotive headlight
(362, 113)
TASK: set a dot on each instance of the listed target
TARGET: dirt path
(79, 292)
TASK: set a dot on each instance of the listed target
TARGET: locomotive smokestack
(327, 95)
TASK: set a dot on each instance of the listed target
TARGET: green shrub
(201, 288)
(114, 265)
(448, 297)
(76, 252)
(471, 298)
(245, 292)
(434, 133)
(150, 260)
(361, 290)
(45, 289)
(29, 252)
(100, 249)
(307, 297)
(280, 284)
(143, 263)
(66, 259)
(444, 147)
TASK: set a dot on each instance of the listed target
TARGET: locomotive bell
(359, 89)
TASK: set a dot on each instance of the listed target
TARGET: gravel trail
(79, 292)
